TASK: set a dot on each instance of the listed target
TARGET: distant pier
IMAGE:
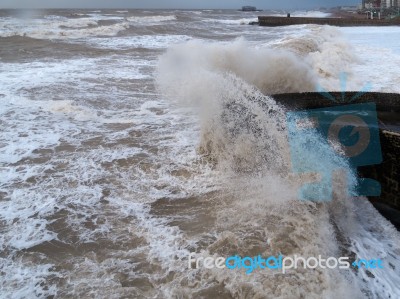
(250, 8)
(344, 22)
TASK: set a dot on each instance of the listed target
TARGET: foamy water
(133, 138)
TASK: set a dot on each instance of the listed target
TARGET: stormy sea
(131, 139)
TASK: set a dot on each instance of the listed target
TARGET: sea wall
(388, 111)
(285, 21)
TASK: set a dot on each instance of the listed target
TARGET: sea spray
(326, 51)
(269, 70)
(244, 134)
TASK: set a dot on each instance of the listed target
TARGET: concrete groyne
(286, 21)
(388, 111)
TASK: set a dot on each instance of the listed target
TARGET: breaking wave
(89, 25)
(56, 27)
(151, 19)
(243, 134)
(270, 70)
(244, 21)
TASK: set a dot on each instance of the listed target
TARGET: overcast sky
(262, 4)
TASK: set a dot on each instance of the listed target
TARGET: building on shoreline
(391, 3)
(370, 4)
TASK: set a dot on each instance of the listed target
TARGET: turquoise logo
(326, 140)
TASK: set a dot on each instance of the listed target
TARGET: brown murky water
(119, 158)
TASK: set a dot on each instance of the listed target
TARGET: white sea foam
(142, 41)
(21, 137)
(145, 20)
(243, 21)
(29, 279)
(47, 73)
(76, 193)
(108, 17)
(372, 235)
(330, 53)
(378, 49)
(58, 28)
(195, 12)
